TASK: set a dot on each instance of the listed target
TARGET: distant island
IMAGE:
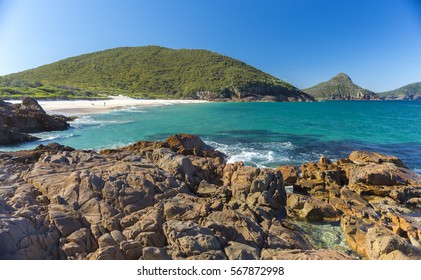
(150, 72)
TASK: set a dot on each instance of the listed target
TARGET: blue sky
(376, 42)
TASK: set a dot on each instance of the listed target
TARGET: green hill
(408, 92)
(150, 72)
(340, 87)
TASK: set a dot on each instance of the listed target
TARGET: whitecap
(132, 109)
(52, 136)
(89, 121)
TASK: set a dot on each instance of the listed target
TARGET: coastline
(96, 213)
(85, 107)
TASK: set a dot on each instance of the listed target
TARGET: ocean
(260, 134)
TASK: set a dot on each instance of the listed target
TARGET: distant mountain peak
(342, 76)
(340, 87)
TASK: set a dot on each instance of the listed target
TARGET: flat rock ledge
(179, 199)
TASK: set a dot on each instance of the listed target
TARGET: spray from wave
(263, 155)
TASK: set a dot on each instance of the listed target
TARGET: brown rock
(386, 174)
(238, 251)
(187, 144)
(355, 231)
(230, 225)
(284, 236)
(184, 207)
(154, 253)
(289, 174)
(279, 254)
(382, 243)
(190, 239)
(256, 187)
(365, 157)
(310, 208)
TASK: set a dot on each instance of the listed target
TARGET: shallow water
(325, 236)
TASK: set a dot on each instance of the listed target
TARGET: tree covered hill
(340, 87)
(150, 72)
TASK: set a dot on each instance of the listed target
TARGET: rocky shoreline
(17, 120)
(179, 199)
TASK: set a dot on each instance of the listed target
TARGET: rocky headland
(408, 92)
(179, 199)
(17, 120)
(340, 87)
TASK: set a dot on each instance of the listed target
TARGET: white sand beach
(79, 107)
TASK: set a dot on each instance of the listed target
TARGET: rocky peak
(29, 103)
(342, 77)
(340, 87)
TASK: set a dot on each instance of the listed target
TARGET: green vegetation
(340, 87)
(14, 89)
(408, 92)
(147, 72)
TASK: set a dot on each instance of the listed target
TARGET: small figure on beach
(104, 104)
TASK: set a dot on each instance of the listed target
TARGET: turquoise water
(261, 134)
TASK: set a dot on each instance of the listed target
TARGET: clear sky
(376, 42)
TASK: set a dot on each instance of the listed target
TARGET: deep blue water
(262, 134)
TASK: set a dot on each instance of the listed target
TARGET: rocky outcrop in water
(179, 199)
(16, 120)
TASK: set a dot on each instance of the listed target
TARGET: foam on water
(133, 109)
(47, 137)
(91, 121)
(265, 154)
